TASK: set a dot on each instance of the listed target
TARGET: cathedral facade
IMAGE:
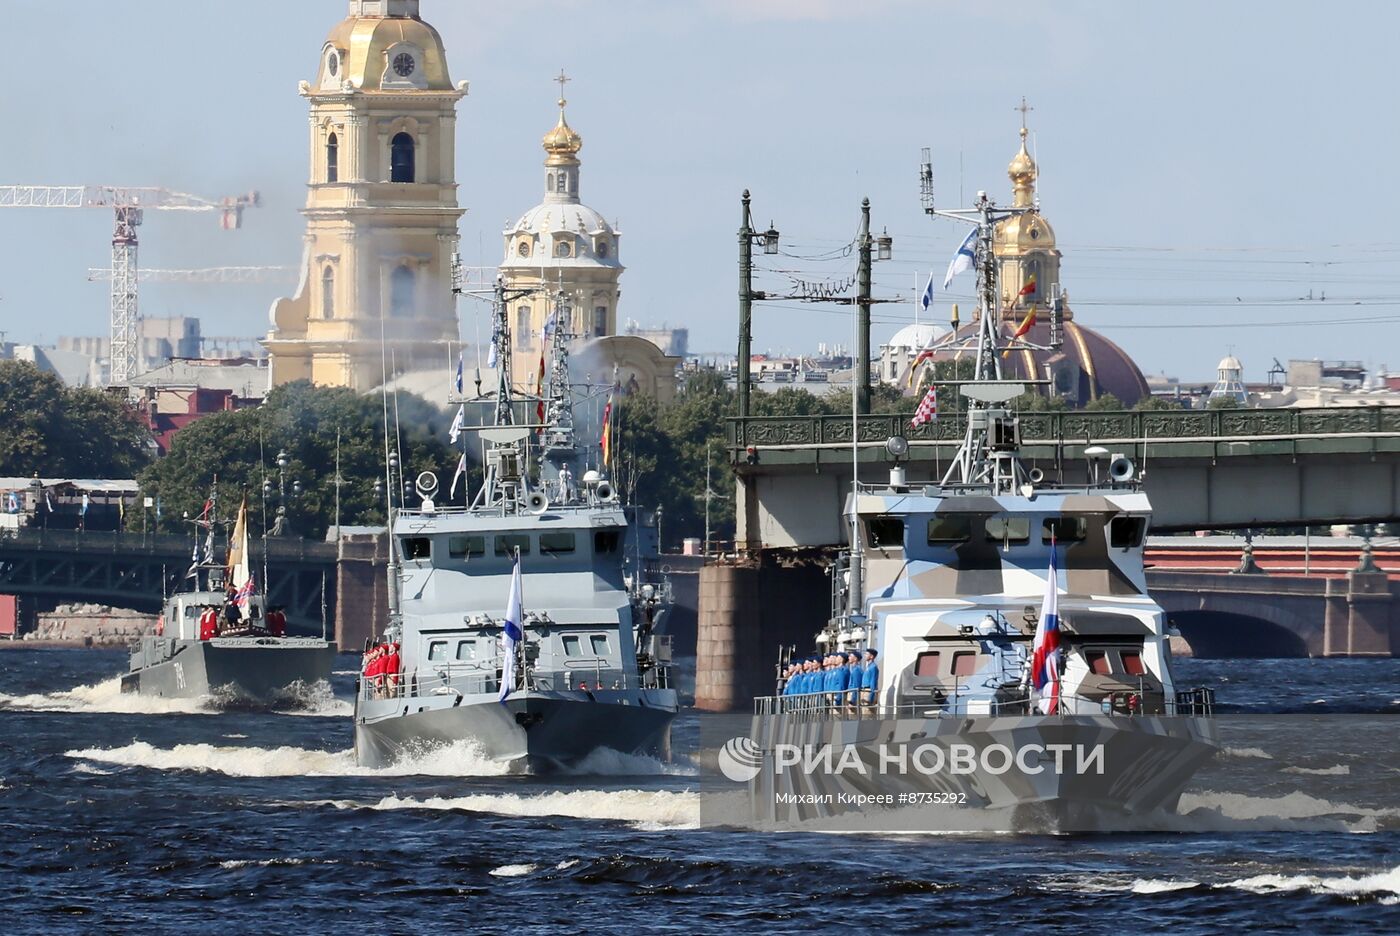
(381, 214)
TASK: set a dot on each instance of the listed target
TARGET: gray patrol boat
(591, 672)
(957, 583)
(241, 656)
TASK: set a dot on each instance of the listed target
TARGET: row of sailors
(844, 677)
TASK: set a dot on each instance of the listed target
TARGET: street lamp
(281, 524)
(748, 237)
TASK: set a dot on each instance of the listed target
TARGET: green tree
(1105, 403)
(1223, 402)
(1152, 403)
(56, 431)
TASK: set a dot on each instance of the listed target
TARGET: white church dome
(916, 337)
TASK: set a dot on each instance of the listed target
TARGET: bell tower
(1025, 244)
(381, 209)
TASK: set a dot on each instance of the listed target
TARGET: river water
(128, 815)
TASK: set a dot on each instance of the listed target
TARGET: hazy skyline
(1202, 164)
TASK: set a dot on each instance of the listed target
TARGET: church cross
(1024, 109)
(563, 79)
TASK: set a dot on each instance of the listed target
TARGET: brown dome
(1086, 366)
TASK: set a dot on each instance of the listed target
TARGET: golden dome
(358, 51)
(1022, 233)
(563, 141)
(1022, 170)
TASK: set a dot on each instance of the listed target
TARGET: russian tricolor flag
(1045, 652)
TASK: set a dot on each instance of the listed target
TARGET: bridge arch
(1223, 634)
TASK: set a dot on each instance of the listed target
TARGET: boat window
(417, 547)
(437, 651)
(1126, 532)
(508, 543)
(600, 645)
(557, 543)
(463, 547)
(466, 649)
(1098, 663)
(1064, 530)
(885, 532)
(572, 646)
(605, 541)
(1132, 663)
(949, 530)
(1013, 531)
(926, 664)
(964, 663)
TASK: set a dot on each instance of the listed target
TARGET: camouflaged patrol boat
(248, 661)
(948, 581)
(590, 672)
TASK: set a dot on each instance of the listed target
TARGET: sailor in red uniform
(277, 621)
(392, 665)
(209, 624)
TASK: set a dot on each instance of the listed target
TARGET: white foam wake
(654, 809)
(515, 870)
(1246, 752)
(1378, 884)
(456, 760)
(1209, 811)
(1336, 770)
(1141, 886)
(106, 698)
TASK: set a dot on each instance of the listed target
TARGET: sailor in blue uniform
(870, 678)
(839, 683)
(855, 675)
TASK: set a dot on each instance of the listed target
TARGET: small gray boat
(226, 644)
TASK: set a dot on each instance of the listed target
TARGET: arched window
(332, 159)
(600, 321)
(549, 182)
(402, 159)
(522, 327)
(561, 249)
(401, 293)
(563, 183)
(328, 293)
(603, 249)
(524, 249)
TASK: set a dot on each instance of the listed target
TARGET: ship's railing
(1193, 702)
(481, 678)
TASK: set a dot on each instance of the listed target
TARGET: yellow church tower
(381, 210)
(1025, 244)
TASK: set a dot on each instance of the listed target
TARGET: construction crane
(129, 205)
(230, 274)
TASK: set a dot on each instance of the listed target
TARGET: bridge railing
(1070, 428)
(105, 541)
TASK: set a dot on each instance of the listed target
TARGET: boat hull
(257, 671)
(534, 732)
(1078, 773)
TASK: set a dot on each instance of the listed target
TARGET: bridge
(132, 570)
(1203, 469)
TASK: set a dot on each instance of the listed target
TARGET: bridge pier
(747, 614)
(1361, 617)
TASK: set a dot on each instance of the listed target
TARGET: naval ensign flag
(511, 634)
(1045, 652)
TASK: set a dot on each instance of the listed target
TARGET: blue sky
(1203, 164)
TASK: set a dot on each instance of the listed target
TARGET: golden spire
(1023, 170)
(562, 143)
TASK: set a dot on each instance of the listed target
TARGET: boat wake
(457, 760)
(1209, 811)
(650, 810)
(106, 698)
(1382, 886)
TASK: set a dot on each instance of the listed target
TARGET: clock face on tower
(404, 64)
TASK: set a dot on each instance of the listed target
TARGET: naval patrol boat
(956, 584)
(590, 670)
(219, 639)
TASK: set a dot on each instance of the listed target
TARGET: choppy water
(126, 815)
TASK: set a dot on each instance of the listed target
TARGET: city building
(898, 354)
(559, 245)
(180, 392)
(1229, 381)
(381, 210)
(1087, 366)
